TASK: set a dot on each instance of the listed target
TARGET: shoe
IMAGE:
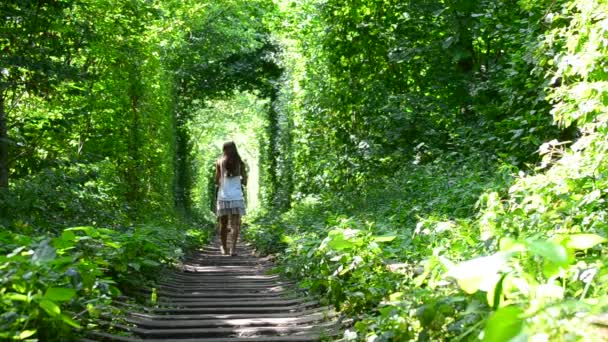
(223, 250)
(233, 253)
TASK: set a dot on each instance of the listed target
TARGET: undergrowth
(59, 274)
(436, 253)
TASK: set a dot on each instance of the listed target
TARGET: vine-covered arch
(254, 70)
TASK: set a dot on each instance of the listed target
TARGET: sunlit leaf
(386, 238)
(68, 235)
(15, 296)
(504, 324)
(16, 251)
(479, 273)
(70, 321)
(554, 252)
(50, 307)
(395, 296)
(59, 294)
(26, 333)
(584, 241)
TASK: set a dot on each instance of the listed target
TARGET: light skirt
(231, 208)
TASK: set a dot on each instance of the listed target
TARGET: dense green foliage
(448, 166)
(436, 170)
(51, 284)
(101, 104)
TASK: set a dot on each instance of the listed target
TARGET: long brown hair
(231, 160)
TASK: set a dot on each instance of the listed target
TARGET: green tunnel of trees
(436, 170)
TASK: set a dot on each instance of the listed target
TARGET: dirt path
(222, 298)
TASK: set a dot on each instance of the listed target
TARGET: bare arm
(218, 173)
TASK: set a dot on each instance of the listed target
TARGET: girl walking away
(230, 176)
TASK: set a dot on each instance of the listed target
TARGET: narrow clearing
(221, 298)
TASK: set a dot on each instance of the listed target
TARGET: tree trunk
(271, 155)
(3, 144)
(182, 185)
(134, 177)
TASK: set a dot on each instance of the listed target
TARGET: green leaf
(340, 244)
(112, 244)
(385, 238)
(26, 333)
(90, 231)
(504, 324)
(480, 273)
(68, 235)
(70, 321)
(16, 251)
(15, 296)
(59, 294)
(550, 269)
(337, 241)
(494, 295)
(50, 307)
(149, 262)
(584, 241)
(426, 314)
(62, 262)
(552, 251)
(395, 296)
(67, 240)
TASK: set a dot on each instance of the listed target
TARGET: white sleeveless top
(230, 187)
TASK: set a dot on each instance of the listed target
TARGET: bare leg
(224, 233)
(235, 224)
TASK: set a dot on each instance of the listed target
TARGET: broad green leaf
(50, 307)
(68, 235)
(504, 324)
(67, 240)
(480, 273)
(584, 241)
(550, 269)
(337, 241)
(552, 251)
(340, 244)
(59, 294)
